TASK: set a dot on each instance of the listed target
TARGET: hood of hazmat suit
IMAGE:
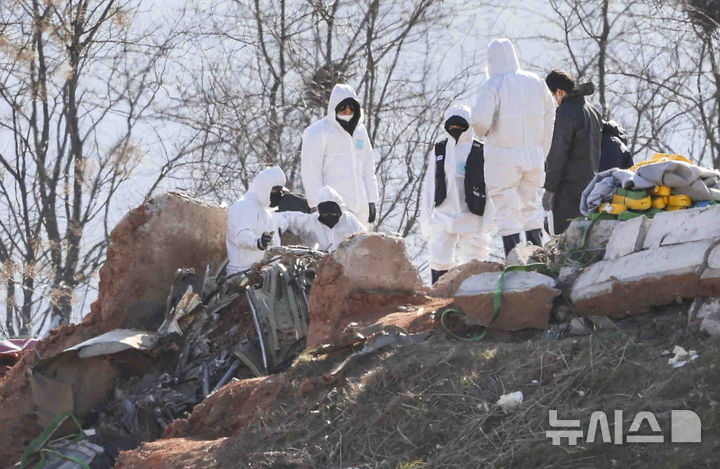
(340, 155)
(315, 232)
(452, 215)
(249, 218)
(515, 112)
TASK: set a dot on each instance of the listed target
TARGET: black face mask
(350, 125)
(456, 121)
(329, 213)
(275, 195)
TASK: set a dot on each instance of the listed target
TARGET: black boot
(534, 236)
(436, 274)
(510, 241)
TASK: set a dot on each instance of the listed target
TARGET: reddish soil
(18, 423)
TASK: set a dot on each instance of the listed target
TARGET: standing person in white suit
(251, 225)
(326, 228)
(454, 211)
(336, 152)
(515, 113)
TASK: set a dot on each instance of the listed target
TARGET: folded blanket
(694, 181)
(602, 187)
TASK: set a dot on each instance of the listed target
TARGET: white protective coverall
(451, 223)
(515, 111)
(249, 218)
(312, 231)
(330, 156)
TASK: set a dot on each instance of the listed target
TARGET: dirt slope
(433, 405)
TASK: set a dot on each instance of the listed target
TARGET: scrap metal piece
(115, 341)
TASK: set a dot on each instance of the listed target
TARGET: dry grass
(432, 404)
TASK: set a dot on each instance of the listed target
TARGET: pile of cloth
(664, 182)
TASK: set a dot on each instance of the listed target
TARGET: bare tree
(78, 82)
(268, 72)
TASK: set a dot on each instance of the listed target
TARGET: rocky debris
(602, 322)
(710, 279)
(148, 246)
(580, 326)
(369, 275)
(627, 237)
(524, 254)
(562, 312)
(510, 402)
(683, 226)
(450, 282)
(527, 300)
(681, 357)
(18, 419)
(633, 283)
(598, 236)
(706, 315)
(567, 276)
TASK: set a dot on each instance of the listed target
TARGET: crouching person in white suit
(326, 228)
(454, 210)
(251, 224)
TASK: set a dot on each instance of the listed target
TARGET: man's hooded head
(262, 186)
(330, 206)
(501, 58)
(344, 107)
(457, 122)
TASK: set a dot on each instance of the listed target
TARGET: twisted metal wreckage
(216, 328)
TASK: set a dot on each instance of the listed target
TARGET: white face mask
(344, 117)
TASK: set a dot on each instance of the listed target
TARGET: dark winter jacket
(614, 153)
(574, 154)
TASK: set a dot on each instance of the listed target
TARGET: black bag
(614, 152)
(474, 177)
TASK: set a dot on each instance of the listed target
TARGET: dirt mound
(169, 232)
(147, 247)
(230, 408)
(18, 422)
(367, 276)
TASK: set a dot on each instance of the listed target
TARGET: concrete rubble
(527, 299)
(653, 263)
(598, 236)
(450, 282)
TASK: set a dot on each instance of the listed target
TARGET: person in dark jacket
(614, 153)
(575, 151)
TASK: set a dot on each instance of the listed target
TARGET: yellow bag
(660, 158)
(659, 202)
(613, 209)
(663, 191)
(677, 202)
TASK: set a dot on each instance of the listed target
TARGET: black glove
(373, 212)
(264, 240)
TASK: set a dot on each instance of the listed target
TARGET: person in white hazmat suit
(336, 152)
(251, 224)
(449, 199)
(326, 228)
(515, 113)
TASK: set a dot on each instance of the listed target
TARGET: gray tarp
(694, 181)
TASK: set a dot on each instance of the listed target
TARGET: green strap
(77, 461)
(37, 444)
(497, 300)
